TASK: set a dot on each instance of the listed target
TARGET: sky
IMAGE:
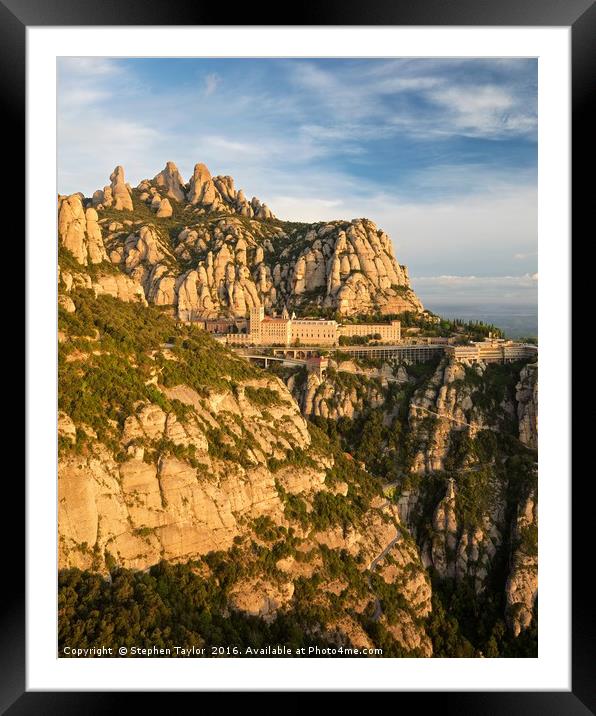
(440, 153)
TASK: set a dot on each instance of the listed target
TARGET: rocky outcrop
(521, 589)
(121, 196)
(170, 182)
(459, 551)
(66, 427)
(467, 521)
(403, 558)
(147, 505)
(237, 269)
(164, 209)
(229, 469)
(455, 407)
(443, 407)
(116, 195)
(66, 303)
(79, 231)
(527, 405)
(361, 270)
(112, 284)
(202, 191)
(119, 286)
(141, 510)
(261, 598)
(444, 538)
(219, 194)
(226, 467)
(343, 266)
(337, 396)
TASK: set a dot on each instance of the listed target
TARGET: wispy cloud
(522, 256)
(420, 98)
(498, 291)
(212, 81)
(91, 133)
(89, 67)
(439, 153)
(483, 110)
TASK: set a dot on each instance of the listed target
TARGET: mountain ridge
(392, 508)
(204, 250)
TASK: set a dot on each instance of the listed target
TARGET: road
(445, 417)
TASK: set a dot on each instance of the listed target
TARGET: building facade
(313, 332)
(276, 331)
(492, 351)
(262, 330)
(388, 332)
(317, 365)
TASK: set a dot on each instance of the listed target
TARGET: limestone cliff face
(117, 194)
(521, 589)
(224, 468)
(137, 511)
(445, 407)
(340, 397)
(140, 510)
(457, 501)
(527, 405)
(348, 267)
(206, 250)
(454, 420)
(218, 194)
(79, 231)
(204, 454)
(459, 551)
(112, 284)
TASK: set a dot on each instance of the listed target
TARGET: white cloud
(304, 208)
(229, 146)
(473, 291)
(88, 67)
(473, 99)
(102, 140)
(289, 148)
(454, 106)
(96, 127)
(76, 97)
(523, 256)
(525, 281)
(483, 110)
(212, 81)
(457, 234)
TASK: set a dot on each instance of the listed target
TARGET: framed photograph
(286, 291)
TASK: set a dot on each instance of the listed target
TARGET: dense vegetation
(491, 466)
(168, 606)
(438, 326)
(462, 624)
(110, 355)
(106, 337)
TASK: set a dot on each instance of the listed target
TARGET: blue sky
(442, 154)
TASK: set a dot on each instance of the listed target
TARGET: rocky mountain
(527, 405)
(203, 249)
(171, 448)
(203, 500)
(455, 445)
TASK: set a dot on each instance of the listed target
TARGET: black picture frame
(580, 15)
